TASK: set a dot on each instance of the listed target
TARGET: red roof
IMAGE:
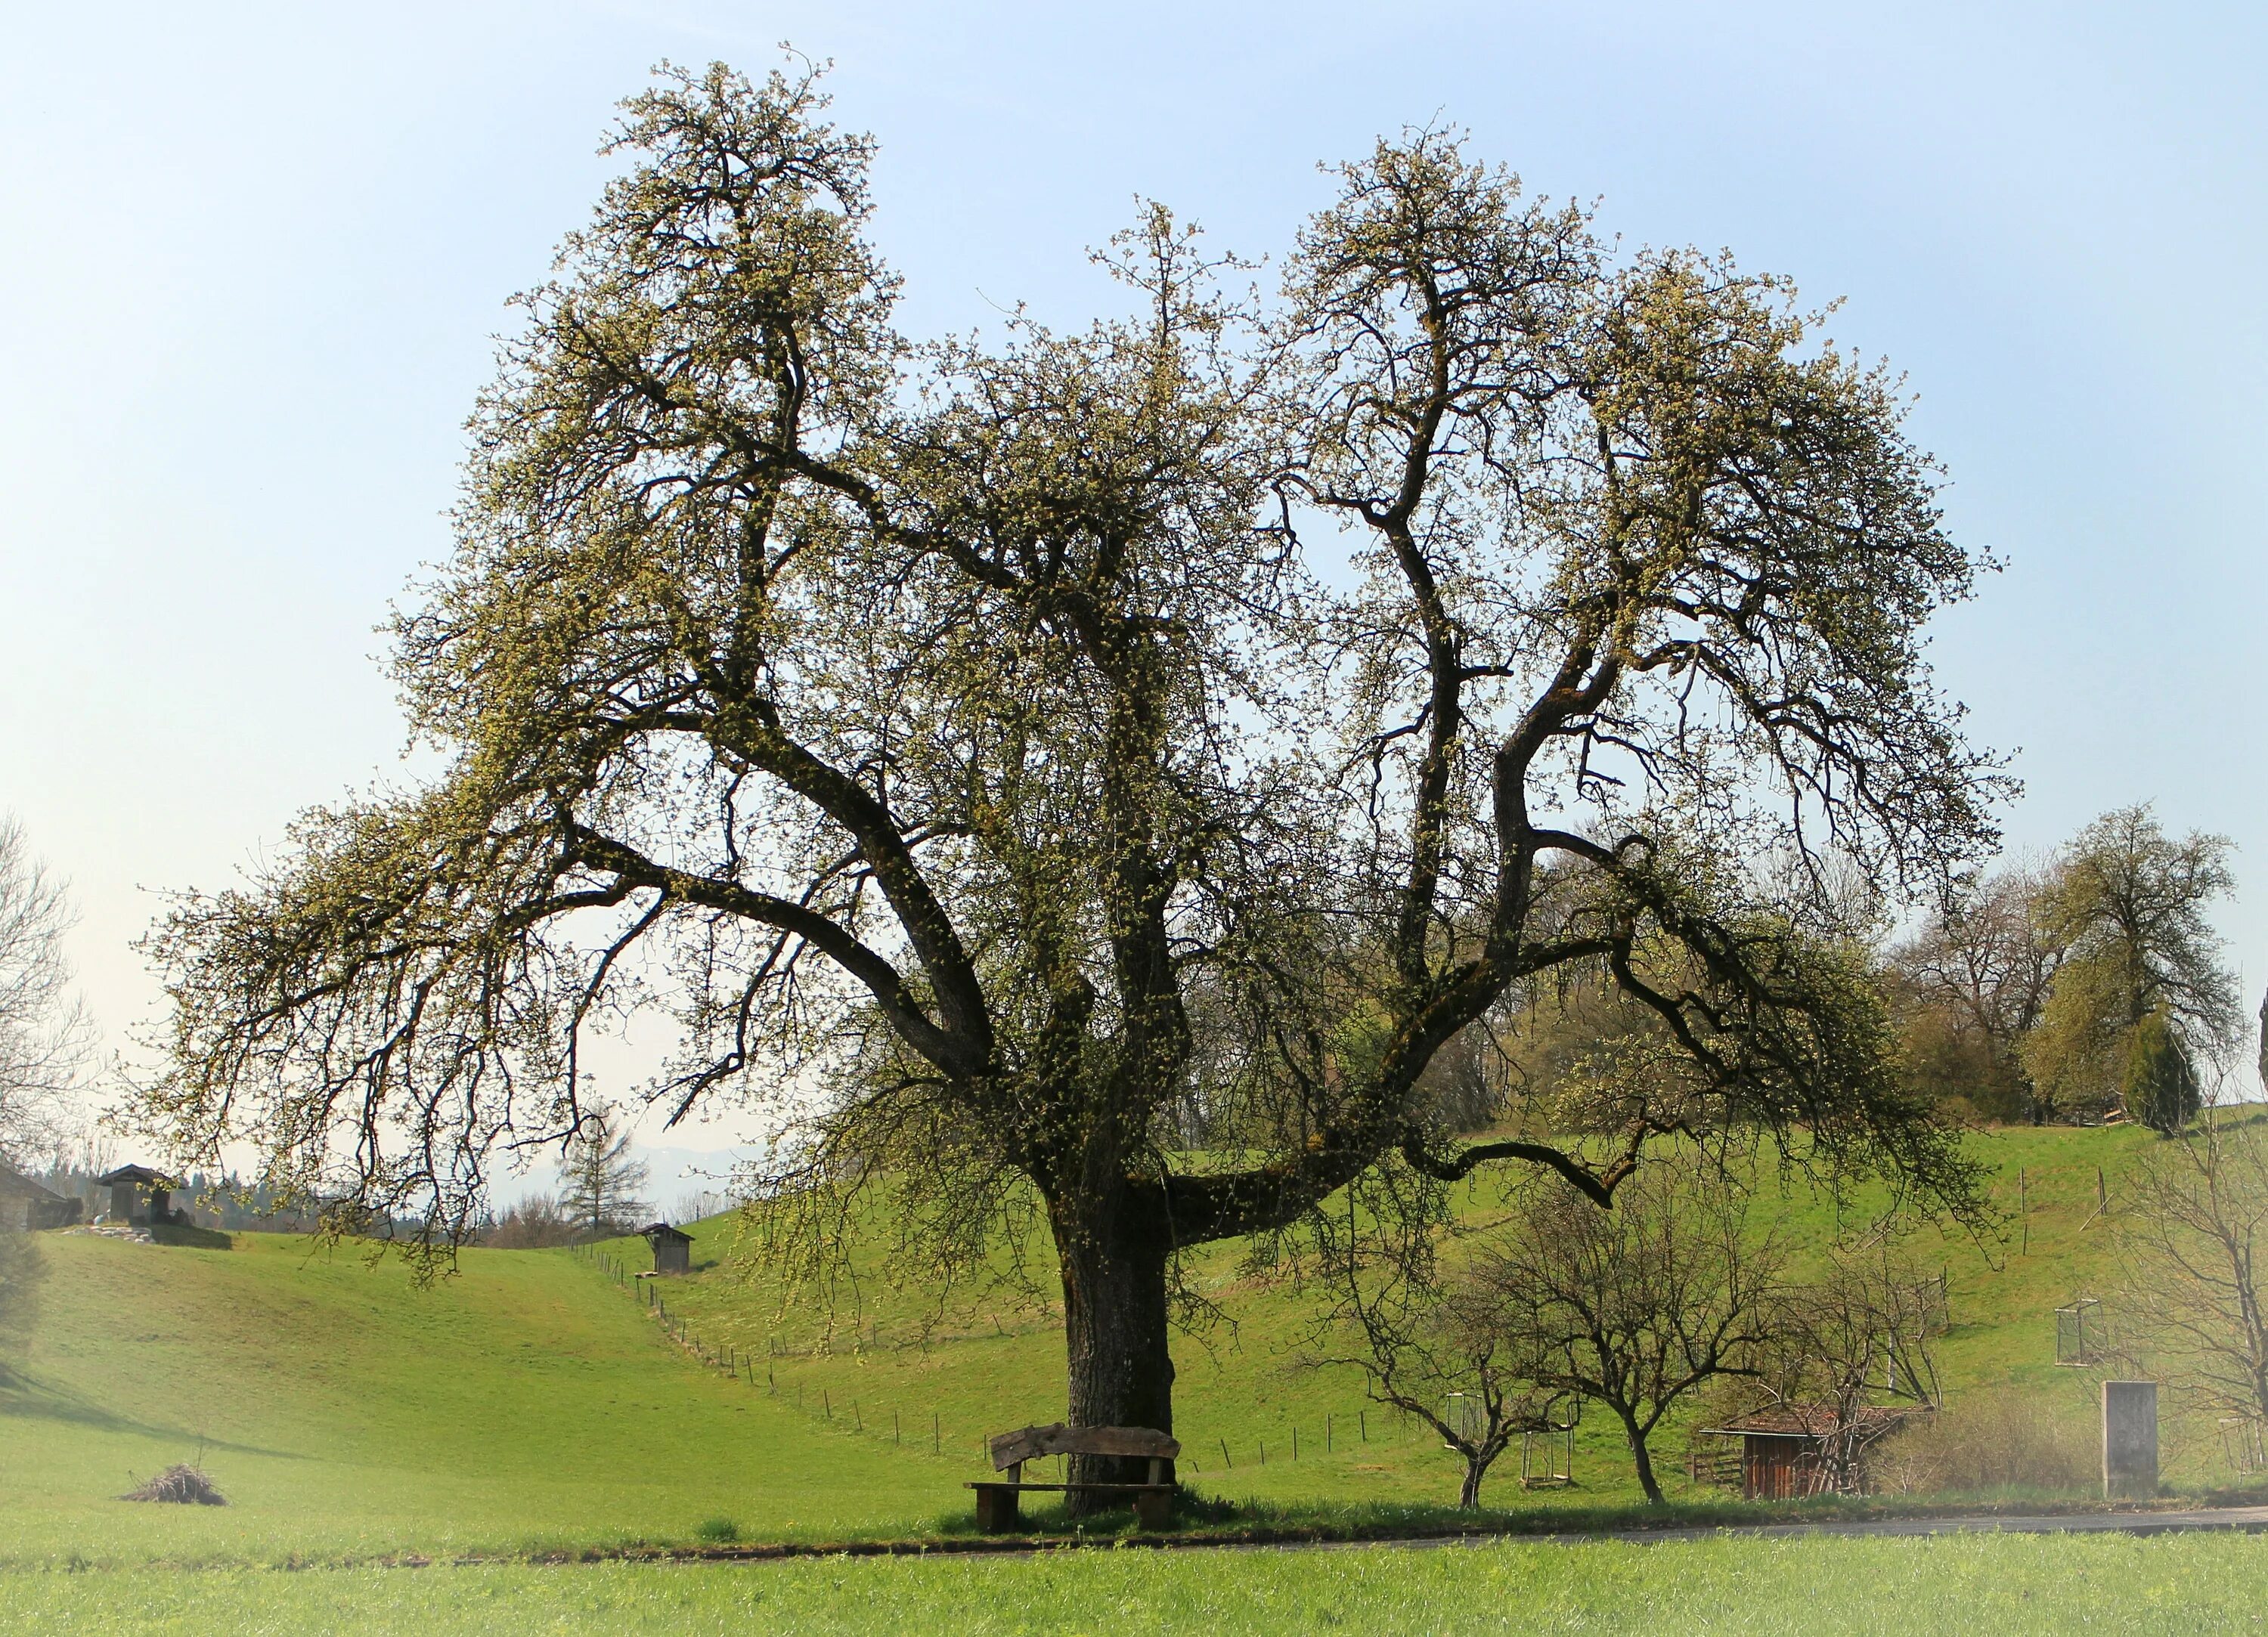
(1811, 1420)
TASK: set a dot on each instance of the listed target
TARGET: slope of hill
(885, 1361)
(343, 1411)
(531, 1402)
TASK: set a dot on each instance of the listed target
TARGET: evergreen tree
(2160, 1088)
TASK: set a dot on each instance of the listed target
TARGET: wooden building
(141, 1198)
(672, 1247)
(1787, 1451)
(26, 1206)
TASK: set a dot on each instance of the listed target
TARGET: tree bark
(1469, 1495)
(1114, 1245)
(1645, 1478)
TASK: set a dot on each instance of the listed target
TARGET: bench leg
(996, 1509)
(1153, 1508)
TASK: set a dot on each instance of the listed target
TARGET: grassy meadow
(2016, 1586)
(531, 1405)
(885, 1362)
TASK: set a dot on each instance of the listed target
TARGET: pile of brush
(178, 1486)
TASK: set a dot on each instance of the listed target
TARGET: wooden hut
(141, 1198)
(672, 1247)
(26, 1207)
(1785, 1448)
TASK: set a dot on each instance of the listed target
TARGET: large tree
(2132, 907)
(1007, 759)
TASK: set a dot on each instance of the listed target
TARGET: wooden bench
(995, 1500)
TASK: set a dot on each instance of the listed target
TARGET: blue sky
(252, 257)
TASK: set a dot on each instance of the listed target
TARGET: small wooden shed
(1784, 1447)
(672, 1247)
(27, 1207)
(140, 1197)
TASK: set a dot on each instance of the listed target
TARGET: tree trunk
(1113, 1246)
(1469, 1495)
(1646, 1481)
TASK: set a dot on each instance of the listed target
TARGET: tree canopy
(1011, 759)
(2130, 904)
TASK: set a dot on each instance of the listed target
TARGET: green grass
(531, 1405)
(2004, 1584)
(345, 1413)
(888, 1360)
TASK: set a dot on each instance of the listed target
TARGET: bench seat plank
(1131, 1489)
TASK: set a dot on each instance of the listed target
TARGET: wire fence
(1366, 1426)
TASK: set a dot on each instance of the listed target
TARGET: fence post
(1362, 1419)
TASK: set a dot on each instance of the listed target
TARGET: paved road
(2245, 1519)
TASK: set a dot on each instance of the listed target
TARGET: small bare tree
(1635, 1307)
(1423, 1343)
(2194, 1232)
(1852, 1355)
(44, 1033)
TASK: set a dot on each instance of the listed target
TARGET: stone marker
(2130, 1440)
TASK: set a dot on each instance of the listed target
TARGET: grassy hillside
(885, 1361)
(531, 1402)
(344, 1412)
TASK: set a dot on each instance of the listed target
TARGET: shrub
(1999, 1440)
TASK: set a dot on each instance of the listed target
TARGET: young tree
(44, 1033)
(1423, 1344)
(1637, 1307)
(937, 746)
(601, 1183)
(2194, 1234)
(1852, 1353)
(2130, 903)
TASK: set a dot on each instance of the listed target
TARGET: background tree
(2159, 1084)
(601, 1186)
(1968, 989)
(1851, 1344)
(44, 1034)
(2193, 1233)
(21, 1270)
(1637, 1307)
(2130, 903)
(534, 1224)
(928, 727)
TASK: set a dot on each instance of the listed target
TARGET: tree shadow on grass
(28, 1396)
